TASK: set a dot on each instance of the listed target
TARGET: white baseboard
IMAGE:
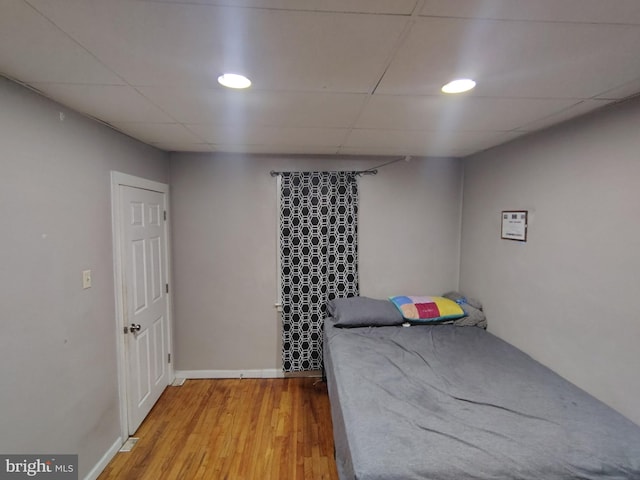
(265, 373)
(104, 461)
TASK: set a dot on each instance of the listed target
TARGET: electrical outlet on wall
(86, 279)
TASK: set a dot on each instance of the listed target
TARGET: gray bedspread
(456, 403)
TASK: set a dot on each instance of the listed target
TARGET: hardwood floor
(276, 429)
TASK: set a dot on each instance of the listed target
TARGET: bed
(446, 402)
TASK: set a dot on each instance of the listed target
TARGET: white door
(145, 299)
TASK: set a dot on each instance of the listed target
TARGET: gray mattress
(455, 403)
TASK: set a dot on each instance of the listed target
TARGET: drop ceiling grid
(148, 67)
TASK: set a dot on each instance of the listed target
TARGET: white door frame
(117, 180)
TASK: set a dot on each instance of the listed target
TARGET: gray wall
(569, 295)
(58, 372)
(225, 221)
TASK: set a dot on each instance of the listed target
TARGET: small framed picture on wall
(514, 225)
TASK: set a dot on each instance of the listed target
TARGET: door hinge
(165, 215)
(166, 287)
(168, 358)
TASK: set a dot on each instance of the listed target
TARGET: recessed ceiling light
(459, 85)
(233, 80)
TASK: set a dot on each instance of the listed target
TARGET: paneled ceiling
(329, 76)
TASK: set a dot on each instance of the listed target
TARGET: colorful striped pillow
(424, 309)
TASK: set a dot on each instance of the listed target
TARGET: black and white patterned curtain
(318, 258)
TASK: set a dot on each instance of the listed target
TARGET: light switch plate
(86, 279)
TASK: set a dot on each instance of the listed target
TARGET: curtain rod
(369, 171)
(274, 173)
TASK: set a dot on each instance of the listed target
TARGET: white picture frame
(514, 225)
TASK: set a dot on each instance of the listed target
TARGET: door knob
(135, 327)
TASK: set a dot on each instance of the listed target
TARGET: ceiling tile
(447, 113)
(165, 133)
(32, 49)
(165, 44)
(403, 151)
(185, 147)
(259, 135)
(514, 59)
(223, 107)
(564, 115)
(414, 141)
(278, 149)
(423, 142)
(589, 11)
(109, 103)
(396, 7)
(623, 91)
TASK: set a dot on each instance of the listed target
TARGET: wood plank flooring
(232, 429)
